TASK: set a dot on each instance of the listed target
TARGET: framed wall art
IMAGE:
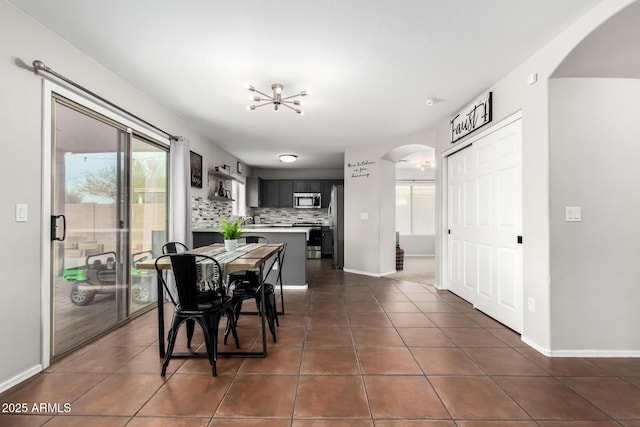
(196, 170)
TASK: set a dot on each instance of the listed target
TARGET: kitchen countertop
(266, 228)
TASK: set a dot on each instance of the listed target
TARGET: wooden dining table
(253, 259)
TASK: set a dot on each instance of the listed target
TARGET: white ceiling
(370, 64)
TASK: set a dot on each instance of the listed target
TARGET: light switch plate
(21, 212)
(364, 216)
(572, 213)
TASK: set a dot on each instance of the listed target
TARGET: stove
(314, 242)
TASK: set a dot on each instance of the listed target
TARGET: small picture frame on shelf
(196, 169)
(239, 168)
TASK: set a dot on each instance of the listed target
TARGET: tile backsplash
(206, 214)
(290, 215)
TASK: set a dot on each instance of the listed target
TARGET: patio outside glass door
(94, 283)
(148, 195)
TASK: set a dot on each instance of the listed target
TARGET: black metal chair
(198, 276)
(174, 248)
(246, 285)
(252, 239)
(238, 276)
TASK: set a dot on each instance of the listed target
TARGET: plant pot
(230, 245)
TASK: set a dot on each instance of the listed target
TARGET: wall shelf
(220, 175)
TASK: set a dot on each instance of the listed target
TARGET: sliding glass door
(148, 194)
(106, 210)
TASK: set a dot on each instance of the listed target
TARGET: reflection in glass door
(94, 283)
(148, 195)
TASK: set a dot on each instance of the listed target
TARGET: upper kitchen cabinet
(307, 186)
(326, 190)
(286, 193)
(271, 193)
(278, 193)
(253, 193)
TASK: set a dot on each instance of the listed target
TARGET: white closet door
(462, 224)
(485, 221)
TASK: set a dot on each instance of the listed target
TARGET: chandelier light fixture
(276, 98)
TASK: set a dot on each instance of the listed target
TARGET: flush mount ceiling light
(288, 158)
(424, 165)
(276, 98)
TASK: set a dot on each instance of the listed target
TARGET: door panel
(149, 179)
(88, 297)
(470, 267)
(508, 272)
(490, 172)
(485, 265)
(94, 188)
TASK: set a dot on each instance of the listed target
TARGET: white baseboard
(297, 287)
(6, 385)
(535, 346)
(595, 353)
(580, 353)
(367, 273)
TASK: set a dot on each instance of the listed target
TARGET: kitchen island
(294, 273)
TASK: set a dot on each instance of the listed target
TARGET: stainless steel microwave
(306, 200)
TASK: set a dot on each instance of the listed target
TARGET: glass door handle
(54, 226)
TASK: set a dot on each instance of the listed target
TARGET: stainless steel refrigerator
(336, 211)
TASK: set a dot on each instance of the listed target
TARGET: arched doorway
(415, 212)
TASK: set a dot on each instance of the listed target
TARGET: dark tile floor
(352, 351)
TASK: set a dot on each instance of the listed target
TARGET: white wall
(369, 212)
(594, 263)
(418, 245)
(512, 94)
(24, 40)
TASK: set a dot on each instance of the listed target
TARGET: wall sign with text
(360, 169)
(472, 117)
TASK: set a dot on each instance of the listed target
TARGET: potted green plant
(231, 232)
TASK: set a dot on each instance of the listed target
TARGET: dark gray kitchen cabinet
(327, 242)
(253, 192)
(315, 186)
(326, 190)
(271, 197)
(300, 186)
(307, 186)
(286, 193)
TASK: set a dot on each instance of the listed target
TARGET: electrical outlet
(532, 304)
